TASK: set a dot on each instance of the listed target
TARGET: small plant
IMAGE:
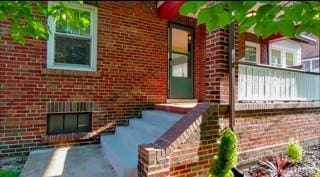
(294, 151)
(8, 173)
(227, 155)
(317, 173)
(276, 168)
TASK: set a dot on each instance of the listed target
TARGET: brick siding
(131, 75)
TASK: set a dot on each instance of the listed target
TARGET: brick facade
(261, 133)
(131, 75)
(132, 71)
(216, 67)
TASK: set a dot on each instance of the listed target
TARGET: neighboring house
(129, 63)
(311, 55)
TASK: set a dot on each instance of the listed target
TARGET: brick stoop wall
(188, 147)
(185, 149)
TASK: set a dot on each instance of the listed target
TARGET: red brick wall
(131, 75)
(265, 132)
(216, 67)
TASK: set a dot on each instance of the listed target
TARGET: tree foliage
(288, 18)
(28, 18)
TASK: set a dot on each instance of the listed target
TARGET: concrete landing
(181, 108)
(82, 161)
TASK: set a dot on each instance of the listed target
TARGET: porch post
(232, 57)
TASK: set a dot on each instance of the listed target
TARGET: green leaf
(211, 16)
(247, 23)
(286, 27)
(191, 7)
(240, 9)
(268, 28)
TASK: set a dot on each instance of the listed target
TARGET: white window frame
(281, 59)
(283, 51)
(93, 36)
(258, 48)
(311, 64)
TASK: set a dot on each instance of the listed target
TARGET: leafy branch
(265, 17)
(28, 18)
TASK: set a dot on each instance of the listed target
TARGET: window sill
(51, 71)
(276, 105)
(64, 138)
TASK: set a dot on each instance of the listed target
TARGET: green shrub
(8, 173)
(317, 173)
(227, 155)
(294, 151)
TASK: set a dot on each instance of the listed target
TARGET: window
(69, 123)
(289, 58)
(180, 52)
(285, 53)
(311, 64)
(252, 52)
(276, 57)
(73, 49)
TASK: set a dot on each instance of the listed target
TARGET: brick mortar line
(276, 145)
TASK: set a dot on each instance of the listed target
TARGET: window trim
(93, 36)
(64, 114)
(258, 52)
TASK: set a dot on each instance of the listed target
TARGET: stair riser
(127, 139)
(111, 157)
(131, 140)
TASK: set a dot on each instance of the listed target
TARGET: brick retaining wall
(261, 133)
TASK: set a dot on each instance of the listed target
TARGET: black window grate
(60, 123)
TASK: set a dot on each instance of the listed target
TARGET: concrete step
(133, 137)
(121, 149)
(122, 158)
(149, 127)
(159, 117)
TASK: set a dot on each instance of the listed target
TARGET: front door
(180, 61)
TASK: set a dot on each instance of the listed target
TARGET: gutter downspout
(232, 56)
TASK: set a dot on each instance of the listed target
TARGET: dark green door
(180, 61)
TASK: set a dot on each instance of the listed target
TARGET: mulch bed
(13, 163)
(306, 168)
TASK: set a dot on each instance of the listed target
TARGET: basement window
(71, 48)
(69, 123)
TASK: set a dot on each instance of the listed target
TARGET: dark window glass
(83, 121)
(72, 50)
(69, 123)
(315, 64)
(250, 54)
(56, 123)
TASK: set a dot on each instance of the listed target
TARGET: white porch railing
(267, 83)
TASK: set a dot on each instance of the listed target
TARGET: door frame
(183, 27)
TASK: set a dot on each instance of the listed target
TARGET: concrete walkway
(82, 161)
